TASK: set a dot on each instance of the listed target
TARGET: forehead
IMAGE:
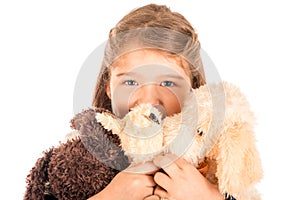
(132, 60)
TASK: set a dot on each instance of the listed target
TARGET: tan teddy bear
(214, 129)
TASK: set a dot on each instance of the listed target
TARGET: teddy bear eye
(200, 132)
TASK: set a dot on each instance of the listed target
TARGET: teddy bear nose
(153, 117)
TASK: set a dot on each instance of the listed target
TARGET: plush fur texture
(227, 141)
(80, 167)
(225, 138)
(87, 162)
(140, 131)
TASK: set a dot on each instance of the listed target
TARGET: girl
(152, 56)
(159, 69)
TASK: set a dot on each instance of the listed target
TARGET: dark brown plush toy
(80, 167)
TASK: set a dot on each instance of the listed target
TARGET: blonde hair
(154, 27)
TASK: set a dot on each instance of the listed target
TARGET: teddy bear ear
(109, 122)
(238, 162)
(238, 165)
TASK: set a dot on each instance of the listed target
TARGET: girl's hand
(128, 186)
(152, 197)
(182, 181)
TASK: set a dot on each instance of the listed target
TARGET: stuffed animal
(221, 137)
(215, 128)
(79, 167)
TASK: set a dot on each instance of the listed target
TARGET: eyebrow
(126, 73)
(174, 76)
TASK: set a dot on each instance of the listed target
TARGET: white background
(43, 44)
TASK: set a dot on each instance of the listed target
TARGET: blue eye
(130, 82)
(167, 84)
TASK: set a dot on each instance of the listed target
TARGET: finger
(162, 180)
(143, 168)
(160, 192)
(149, 191)
(149, 181)
(146, 193)
(167, 162)
(152, 197)
(182, 163)
(141, 179)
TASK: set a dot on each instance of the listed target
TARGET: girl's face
(147, 76)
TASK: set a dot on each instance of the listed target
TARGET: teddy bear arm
(37, 179)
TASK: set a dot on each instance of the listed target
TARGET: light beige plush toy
(215, 127)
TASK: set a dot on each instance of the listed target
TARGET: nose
(146, 94)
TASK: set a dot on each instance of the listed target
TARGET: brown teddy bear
(73, 171)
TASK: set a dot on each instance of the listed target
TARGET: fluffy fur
(86, 163)
(80, 167)
(140, 131)
(221, 134)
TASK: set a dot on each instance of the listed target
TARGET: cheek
(120, 101)
(171, 102)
